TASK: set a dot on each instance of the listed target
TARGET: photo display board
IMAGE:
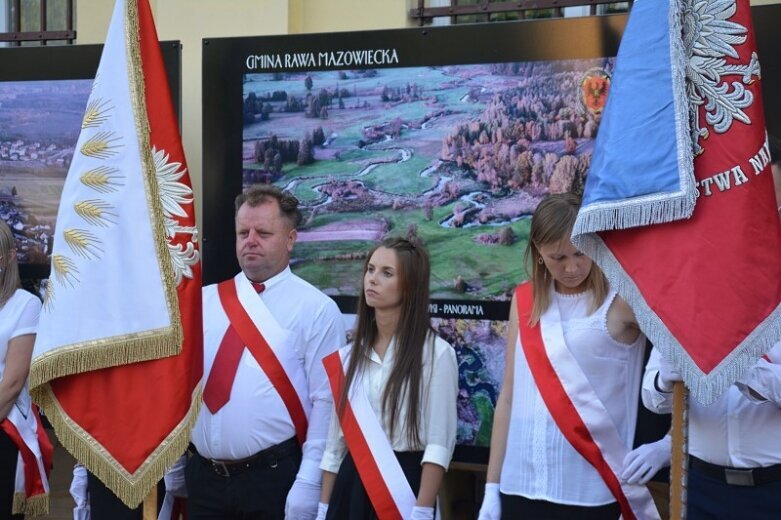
(452, 134)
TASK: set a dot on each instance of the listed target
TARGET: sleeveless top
(539, 462)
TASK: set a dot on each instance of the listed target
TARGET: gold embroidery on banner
(65, 270)
(103, 179)
(96, 113)
(83, 243)
(101, 145)
(96, 212)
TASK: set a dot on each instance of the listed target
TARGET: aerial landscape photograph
(457, 156)
(40, 123)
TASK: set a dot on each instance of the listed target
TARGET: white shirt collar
(274, 280)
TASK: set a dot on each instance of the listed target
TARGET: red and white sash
(370, 448)
(271, 349)
(574, 405)
(31, 492)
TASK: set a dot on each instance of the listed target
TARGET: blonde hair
(9, 277)
(552, 222)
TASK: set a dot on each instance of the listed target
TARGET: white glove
(79, 492)
(668, 375)
(642, 463)
(174, 478)
(302, 500)
(422, 513)
(492, 504)
(322, 510)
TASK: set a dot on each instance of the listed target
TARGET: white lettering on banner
(735, 176)
(349, 58)
(761, 159)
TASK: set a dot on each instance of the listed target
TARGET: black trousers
(712, 499)
(257, 493)
(104, 503)
(9, 454)
(349, 500)
(514, 506)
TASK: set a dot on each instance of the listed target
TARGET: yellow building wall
(189, 21)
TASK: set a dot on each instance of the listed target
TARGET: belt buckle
(739, 477)
(220, 468)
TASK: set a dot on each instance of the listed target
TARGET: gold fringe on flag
(103, 353)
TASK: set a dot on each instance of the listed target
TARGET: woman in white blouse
(583, 329)
(410, 379)
(19, 312)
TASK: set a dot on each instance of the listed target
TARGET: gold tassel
(37, 505)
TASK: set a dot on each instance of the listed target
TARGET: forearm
(327, 486)
(498, 438)
(430, 482)
(9, 392)
(17, 367)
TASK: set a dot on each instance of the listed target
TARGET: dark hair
(552, 221)
(261, 193)
(774, 143)
(411, 333)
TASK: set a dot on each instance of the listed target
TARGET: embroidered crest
(173, 195)
(710, 38)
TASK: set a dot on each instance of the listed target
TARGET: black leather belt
(268, 458)
(737, 476)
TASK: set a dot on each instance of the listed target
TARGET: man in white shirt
(260, 435)
(734, 444)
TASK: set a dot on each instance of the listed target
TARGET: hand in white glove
(78, 488)
(322, 510)
(668, 375)
(642, 463)
(302, 500)
(492, 505)
(174, 478)
(422, 513)
(79, 492)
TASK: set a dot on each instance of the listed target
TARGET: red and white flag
(678, 208)
(118, 357)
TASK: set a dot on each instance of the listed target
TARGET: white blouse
(19, 316)
(539, 462)
(439, 391)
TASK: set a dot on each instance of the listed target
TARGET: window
(442, 12)
(36, 22)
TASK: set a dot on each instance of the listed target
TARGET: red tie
(218, 386)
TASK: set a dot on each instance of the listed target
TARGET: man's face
(264, 240)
